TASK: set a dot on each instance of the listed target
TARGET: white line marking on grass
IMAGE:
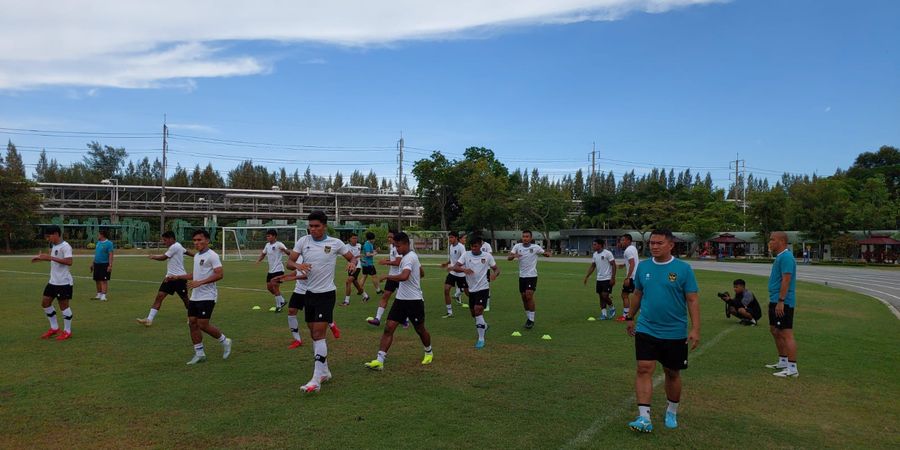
(840, 283)
(585, 435)
(132, 281)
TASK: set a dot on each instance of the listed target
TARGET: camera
(723, 295)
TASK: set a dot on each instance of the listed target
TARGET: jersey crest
(327, 249)
(672, 276)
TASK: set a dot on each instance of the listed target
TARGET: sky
(798, 86)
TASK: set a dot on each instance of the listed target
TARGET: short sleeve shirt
(302, 283)
(603, 260)
(528, 256)
(321, 256)
(355, 251)
(60, 275)
(274, 253)
(205, 264)
(631, 257)
(102, 251)
(486, 247)
(393, 255)
(663, 312)
(784, 263)
(175, 263)
(456, 252)
(410, 289)
(368, 260)
(480, 264)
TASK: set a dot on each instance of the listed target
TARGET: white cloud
(827, 109)
(108, 43)
(193, 127)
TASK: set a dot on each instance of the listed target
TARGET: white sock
(222, 338)
(625, 311)
(346, 299)
(480, 326)
(198, 349)
(449, 309)
(644, 411)
(381, 356)
(67, 319)
(672, 408)
(792, 366)
(152, 314)
(782, 361)
(365, 295)
(457, 293)
(295, 327)
(530, 315)
(379, 313)
(428, 350)
(602, 312)
(51, 316)
(320, 349)
(279, 301)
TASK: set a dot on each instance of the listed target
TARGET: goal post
(246, 242)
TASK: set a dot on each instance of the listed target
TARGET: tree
(844, 246)
(543, 208)
(768, 213)
(818, 209)
(439, 185)
(14, 165)
(179, 178)
(872, 207)
(19, 204)
(885, 162)
(486, 198)
(104, 162)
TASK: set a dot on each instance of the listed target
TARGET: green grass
(117, 384)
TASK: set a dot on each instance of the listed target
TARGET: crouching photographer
(743, 305)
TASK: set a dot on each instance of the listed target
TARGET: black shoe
(279, 308)
(529, 324)
(746, 322)
(379, 292)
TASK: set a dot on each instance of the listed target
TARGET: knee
(672, 375)
(644, 369)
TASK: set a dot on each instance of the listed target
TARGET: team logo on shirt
(327, 249)
(672, 276)
(530, 250)
(483, 260)
(55, 252)
(202, 261)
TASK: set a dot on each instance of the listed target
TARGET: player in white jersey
(319, 252)
(298, 298)
(486, 248)
(631, 265)
(409, 304)
(204, 294)
(455, 251)
(174, 258)
(605, 263)
(272, 252)
(527, 253)
(60, 285)
(393, 263)
(477, 265)
(353, 275)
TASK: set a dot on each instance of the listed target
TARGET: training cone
(370, 318)
(272, 309)
(546, 337)
(516, 334)
(256, 308)
(465, 305)
(592, 319)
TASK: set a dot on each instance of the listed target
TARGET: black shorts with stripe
(453, 280)
(58, 291)
(319, 307)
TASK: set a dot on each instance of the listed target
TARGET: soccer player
(408, 305)
(353, 275)
(456, 250)
(174, 258)
(272, 251)
(101, 268)
(368, 262)
(666, 286)
(393, 263)
(605, 263)
(204, 294)
(60, 285)
(319, 252)
(476, 264)
(782, 299)
(527, 254)
(298, 297)
(631, 265)
(486, 248)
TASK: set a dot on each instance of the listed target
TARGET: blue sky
(798, 86)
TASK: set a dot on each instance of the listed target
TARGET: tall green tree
(485, 198)
(104, 162)
(543, 208)
(19, 205)
(767, 213)
(439, 184)
(819, 209)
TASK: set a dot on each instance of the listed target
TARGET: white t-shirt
(204, 265)
(486, 247)
(602, 260)
(410, 289)
(393, 255)
(175, 263)
(356, 250)
(631, 254)
(273, 254)
(321, 256)
(528, 257)
(480, 264)
(456, 252)
(302, 283)
(60, 275)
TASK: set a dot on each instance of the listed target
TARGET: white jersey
(410, 289)
(603, 260)
(273, 253)
(480, 264)
(631, 254)
(302, 283)
(175, 263)
(456, 252)
(393, 255)
(205, 264)
(528, 256)
(356, 250)
(321, 256)
(486, 247)
(60, 275)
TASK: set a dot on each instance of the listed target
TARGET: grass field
(118, 384)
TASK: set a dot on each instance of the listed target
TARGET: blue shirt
(101, 253)
(368, 260)
(784, 263)
(663, 312)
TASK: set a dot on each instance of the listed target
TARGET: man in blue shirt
(367, 260)
(665, 292)
(102, 265)
(782, 298)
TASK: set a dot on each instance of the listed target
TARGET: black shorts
(391, 286)
(101, 271)
(478, 298)
(354, 273)
(414, 310)
(201, 309)
(527, 284)
(628, 288)
(604, 286)
(58, 291)
(319, 307)
(671, 353)
(297, 301)
(369, 270)
(753, 308)
(453, 280)
(269, 276)
(785, 322)
(171, 287)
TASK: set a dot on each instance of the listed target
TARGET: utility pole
(740, 172)
(593, 167)
(162, 203)
(400, 183)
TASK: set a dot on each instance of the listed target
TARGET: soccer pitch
(119, 384)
